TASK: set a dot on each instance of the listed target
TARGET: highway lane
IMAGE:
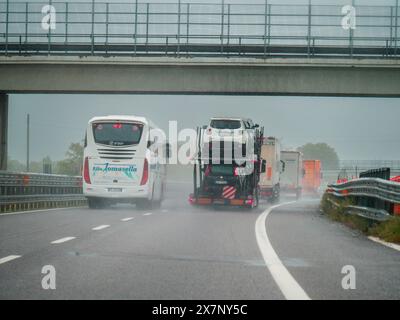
(177, 252)
(315, 249)
(184, 252)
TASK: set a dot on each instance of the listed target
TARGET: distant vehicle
(238, 130)
(271, 169)
(119, 164)
(312, 176)
(227, 180)
(292, 177)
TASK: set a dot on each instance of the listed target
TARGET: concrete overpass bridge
(189, 48)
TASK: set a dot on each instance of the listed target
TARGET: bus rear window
(117, 133)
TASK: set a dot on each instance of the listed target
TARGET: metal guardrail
(365, 212)
(208, 29)
(29, 191)
(351, 169)
(374, 198)
(368, 187)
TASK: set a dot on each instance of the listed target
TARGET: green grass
(388, 230)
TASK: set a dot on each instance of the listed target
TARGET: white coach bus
(121, 162)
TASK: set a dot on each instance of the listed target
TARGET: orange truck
(312, 176)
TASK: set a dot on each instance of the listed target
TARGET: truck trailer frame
(221, 178)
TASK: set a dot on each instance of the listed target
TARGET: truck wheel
(255, 203)
(275, 196)
(257, 198)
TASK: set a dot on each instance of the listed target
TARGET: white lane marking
(126, 219)
(285, 281)
(9, 258)
(147, 214)
(101, 227)
(63, 240)
(387, 244)
(38, 211)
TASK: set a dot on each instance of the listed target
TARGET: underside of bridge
(240, 76)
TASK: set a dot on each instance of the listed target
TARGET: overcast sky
(358, 128)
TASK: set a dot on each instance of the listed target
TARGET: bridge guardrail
(373, 198)
(29, 191)
(208, 29)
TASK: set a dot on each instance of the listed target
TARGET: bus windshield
(117, 133)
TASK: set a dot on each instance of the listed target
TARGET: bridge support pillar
(3, 130)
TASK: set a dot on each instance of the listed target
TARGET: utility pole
(27, 142)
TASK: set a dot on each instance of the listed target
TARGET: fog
(358, 128)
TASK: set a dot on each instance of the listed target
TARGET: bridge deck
(120, 49)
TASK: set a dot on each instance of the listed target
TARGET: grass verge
(388, 230)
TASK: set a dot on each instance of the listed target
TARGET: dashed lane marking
(127, 219)
(63, 240)
(101, 227)
(9, 258)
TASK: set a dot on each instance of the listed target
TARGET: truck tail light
(249, 200)
(145, 175)
(86, 175)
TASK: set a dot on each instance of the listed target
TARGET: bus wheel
(94, 203)
(157, 204)
(144, 204)
(91, 203)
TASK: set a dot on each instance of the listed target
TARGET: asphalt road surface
(185, 252)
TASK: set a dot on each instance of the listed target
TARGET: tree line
(72, 164)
